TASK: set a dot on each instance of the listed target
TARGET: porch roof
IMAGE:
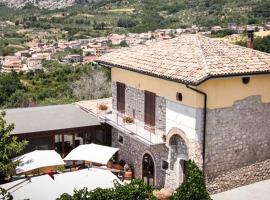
(49, 118)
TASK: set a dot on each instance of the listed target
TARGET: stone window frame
(166, 160)
(120, 135)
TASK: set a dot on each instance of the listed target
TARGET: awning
(38, 159)
(92, 152)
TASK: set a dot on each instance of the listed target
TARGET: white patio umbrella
(93, 153)
(38, 159)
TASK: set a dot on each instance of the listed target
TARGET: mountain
(46, 4)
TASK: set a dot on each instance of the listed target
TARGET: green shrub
(136, 190)
(193, 187)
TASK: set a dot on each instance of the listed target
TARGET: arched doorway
(178, 156)
(148, 169)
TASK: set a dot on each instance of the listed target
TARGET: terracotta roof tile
(189, 59)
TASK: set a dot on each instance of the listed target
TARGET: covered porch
(60, 128)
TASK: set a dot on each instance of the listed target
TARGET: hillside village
(168, 114)
(91, 49)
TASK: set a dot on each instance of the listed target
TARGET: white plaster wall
(185, 118)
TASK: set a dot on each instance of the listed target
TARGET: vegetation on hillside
(260, 43)
(139, 16)
(56, 84)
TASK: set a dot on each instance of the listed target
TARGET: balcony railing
(137, 129)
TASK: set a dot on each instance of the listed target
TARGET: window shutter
(150, 108)
(121, 88)
(147, 108)
(153, 109)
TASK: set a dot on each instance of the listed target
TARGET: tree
(93, 86)
(9, 147)
(193, 187)
(137, 189)
(123, 43)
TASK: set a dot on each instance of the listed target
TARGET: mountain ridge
(45, 4)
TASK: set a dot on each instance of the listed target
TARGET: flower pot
(128, 175)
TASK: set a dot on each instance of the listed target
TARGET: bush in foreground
(136, 190)
(193, 187)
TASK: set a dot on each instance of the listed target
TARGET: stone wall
(134, 105)
(161, 113)
(132, 152)
(241, 176)
(237, 136)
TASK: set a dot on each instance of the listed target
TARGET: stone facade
(134, 105)
(190, 125)
(237, 136)
(242, 176)
(132, 152)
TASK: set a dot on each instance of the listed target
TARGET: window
(179, 96)
(245, 80)
(120, 139)
(150, 110)
(121, 88)
(164, 165)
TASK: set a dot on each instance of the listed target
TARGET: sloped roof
(49, 118)
(189, 59)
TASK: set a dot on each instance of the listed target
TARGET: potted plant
(129, 173)
(103, 107)
(128, 120)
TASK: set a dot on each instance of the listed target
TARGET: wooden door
(121, 88)
(150, 109)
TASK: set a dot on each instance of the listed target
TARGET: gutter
(204, 122)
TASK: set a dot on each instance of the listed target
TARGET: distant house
(34, 63)
(10, 66)
(72, 58)
(216, 28)
(12, 63)
(24, 53)
(232, 26)
(88, 59)
(45, 56)
(195, 98)
(89, 52)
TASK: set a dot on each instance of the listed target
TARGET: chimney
(250, 41)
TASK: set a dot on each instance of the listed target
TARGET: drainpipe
(204, 122)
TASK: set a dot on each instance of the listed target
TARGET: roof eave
(110, 65)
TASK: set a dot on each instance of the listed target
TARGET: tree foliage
(260, 43)
(9, 147)
(136, 190)
(193, 187)
(56, 84)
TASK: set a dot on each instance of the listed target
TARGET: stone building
(196, 98)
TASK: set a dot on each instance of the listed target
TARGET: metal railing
(136, 128)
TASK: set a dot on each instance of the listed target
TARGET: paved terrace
(255, 191)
